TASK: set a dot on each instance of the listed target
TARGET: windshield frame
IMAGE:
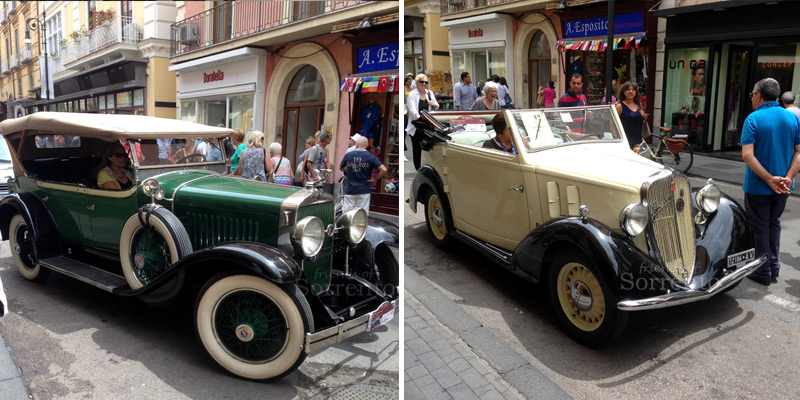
(520, 121)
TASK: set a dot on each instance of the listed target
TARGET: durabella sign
(214, 76)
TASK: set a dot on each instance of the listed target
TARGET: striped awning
(380, 81)
(620, 42)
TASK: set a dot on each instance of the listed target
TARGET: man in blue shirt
(771, 149)
(358, 165)
(464, 94)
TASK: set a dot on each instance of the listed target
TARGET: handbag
(508, 99)
(645, 130)
(540, 100)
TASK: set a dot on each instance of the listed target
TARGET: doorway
(304, 113)
(736, 96)
(538, 66)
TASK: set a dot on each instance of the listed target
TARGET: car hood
(597, 163)
(208, 189)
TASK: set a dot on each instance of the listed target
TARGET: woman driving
(115, 175)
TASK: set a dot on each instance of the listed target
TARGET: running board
(500, 255)
(85, 273)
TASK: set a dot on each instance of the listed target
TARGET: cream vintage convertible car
(605, 230)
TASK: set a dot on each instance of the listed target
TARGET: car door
(486, 191)
(67, 205)
(108, 211)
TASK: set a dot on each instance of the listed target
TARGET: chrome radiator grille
(318, 268)
(669, 202)
(207, 229)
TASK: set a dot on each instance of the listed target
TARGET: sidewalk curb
(11, 385)
(518, 372)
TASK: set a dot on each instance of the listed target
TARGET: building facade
(19, 62)
(290, 69)
(107, 57)
(714, 53)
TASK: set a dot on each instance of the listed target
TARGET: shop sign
(598, 26)
(478, 32)
(215, 76)
(378, 58)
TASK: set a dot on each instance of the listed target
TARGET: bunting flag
(575, 46)
(605, 46)
(343, 85)
(392, 81)
(638, 40)
(585, 46)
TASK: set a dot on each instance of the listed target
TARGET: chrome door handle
(518, 189)
(45, 198)
(90, 208)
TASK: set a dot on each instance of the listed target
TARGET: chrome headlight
(633, 219)
(308, 235)
(708, 197)
(152, 188)
(354, 223)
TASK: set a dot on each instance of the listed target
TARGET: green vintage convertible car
(276, 275)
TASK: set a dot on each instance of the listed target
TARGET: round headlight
(354, 222)
(708, 197)
(308, 235)
(633, 219)
(150, 187)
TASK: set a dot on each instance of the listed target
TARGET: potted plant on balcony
(63, 43)
(105, 19)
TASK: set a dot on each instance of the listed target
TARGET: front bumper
(689, 296)
(336, 334)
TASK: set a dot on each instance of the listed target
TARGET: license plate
(381, 316)
(739, 258)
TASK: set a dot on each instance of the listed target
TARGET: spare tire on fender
(152, 241)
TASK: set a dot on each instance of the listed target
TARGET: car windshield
(555, 126)
(161, 152)
(5, 154)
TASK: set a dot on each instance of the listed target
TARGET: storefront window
(188, 111)
(497, 62)
(688, 81)
(413, 60)
(240, 112)
(459, 64)
(779, 62)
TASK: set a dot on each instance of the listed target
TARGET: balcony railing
(12, 59)
(4, 67)
(238, 19)
(118, 30)
(456, 6)
(25, 57)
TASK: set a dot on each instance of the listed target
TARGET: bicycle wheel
(680, 161)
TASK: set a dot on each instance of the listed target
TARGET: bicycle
(673, 152)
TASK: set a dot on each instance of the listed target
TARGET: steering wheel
(588, 135)
(186, 158)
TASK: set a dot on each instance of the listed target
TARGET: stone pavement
(450, 355)
(11, 385)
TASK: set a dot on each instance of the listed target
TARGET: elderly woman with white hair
(489, 99)
(254, 163)
(284, 174)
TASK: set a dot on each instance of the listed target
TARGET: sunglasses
(119, 155)
(423, 82)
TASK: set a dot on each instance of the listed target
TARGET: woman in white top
(420, 99)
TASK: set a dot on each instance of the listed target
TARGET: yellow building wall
(161, 86)
(436, 38)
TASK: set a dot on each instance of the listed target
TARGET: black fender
(37, 217)
(613, 253)
(426, 177)
(361, 257)
(254, 258)
(727, 231)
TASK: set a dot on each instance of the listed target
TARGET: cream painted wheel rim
(436, 217)
(581, 297)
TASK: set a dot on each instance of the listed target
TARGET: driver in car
(502, 140)
(115, 175)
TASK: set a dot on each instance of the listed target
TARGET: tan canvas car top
(110, 126)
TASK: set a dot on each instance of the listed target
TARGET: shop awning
(378, 81)
(599, 43)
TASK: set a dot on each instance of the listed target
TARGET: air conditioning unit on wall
(188, 34)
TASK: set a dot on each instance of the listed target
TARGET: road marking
(781, 302)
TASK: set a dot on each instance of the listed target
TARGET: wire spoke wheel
(150, 255)
(680, 161)
(23, 250)
(250, 326)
